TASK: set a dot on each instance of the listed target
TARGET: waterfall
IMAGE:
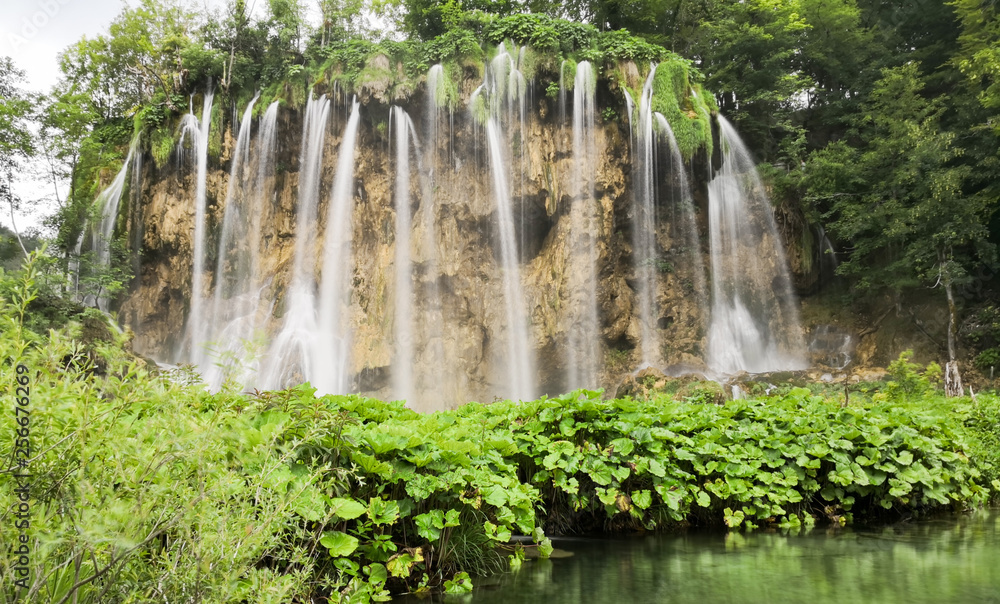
(754, 322)
(207, 356)
(198, 131)
(135, 225)
(511, 255)
(583, 327)
(434, 381)
(73, 266)
(290, 356)
(107, 203)
(683, 216)
(331, 369)
(504, 89)
(644, 225)
(519, 353)
(236, 312)
(403, 320)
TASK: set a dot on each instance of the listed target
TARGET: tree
(16, 141)
(748, 52)
(901, 198)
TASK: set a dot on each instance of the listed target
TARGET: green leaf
(642, 499)
(429, 525)
(400, 564)
(382, 512)
(460, 584)
(545, 548)
(347, 509)
(340, 544)
(600, 473)
(309, 504)
(377, 573)
(703, 499)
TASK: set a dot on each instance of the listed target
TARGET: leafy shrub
(621, 45)
(988, 358)
(907, 381)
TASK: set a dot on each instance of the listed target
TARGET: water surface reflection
(955, 559)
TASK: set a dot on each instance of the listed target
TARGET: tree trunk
(952, 379)
(14, 227)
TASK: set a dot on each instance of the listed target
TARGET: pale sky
(34, 32)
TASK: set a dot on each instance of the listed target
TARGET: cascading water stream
(684, 215)
(208, 356)
(198, 131)
(434, 381)
(583, 327)
(290, 356)
(520, 356)
(107, 202)
(331, 361)
(754, 322)
(403, 319)
(503, 91)
(236, 309)
(644, 225)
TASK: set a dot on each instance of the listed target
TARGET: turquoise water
(955, 559)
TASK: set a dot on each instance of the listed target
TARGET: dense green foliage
(147, 487)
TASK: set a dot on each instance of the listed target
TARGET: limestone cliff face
(459, 345)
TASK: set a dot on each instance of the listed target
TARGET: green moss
(480, 112)
(807, 242)
(161, 143)
(569, 73)
(676, 99)
(215, 132)
(530, 62)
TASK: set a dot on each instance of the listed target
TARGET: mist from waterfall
(754, 324)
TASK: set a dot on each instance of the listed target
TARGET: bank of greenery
(148, 488)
